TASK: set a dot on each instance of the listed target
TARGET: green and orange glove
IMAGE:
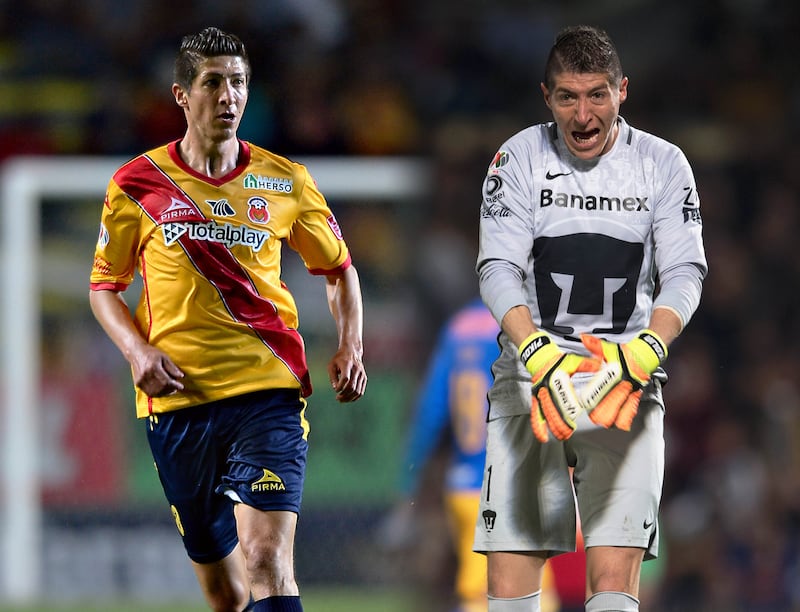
(612, 395)
(554, 403)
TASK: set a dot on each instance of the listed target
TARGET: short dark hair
(210, 42)
(583, 49)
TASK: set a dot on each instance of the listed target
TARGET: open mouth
(585, 138)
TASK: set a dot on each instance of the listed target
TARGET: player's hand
(155, 373)
(612, 395)
(347, 375)
(554, 403)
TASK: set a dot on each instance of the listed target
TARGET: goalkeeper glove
(612, 396)
(554, 402)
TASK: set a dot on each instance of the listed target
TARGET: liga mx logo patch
(500, 159)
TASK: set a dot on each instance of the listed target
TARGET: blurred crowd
(451, 81)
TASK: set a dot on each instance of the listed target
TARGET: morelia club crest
(257, 210)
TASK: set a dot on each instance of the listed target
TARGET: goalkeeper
(583, 218)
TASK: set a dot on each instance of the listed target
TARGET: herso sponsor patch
(269, 482)
(268, 183)
(211, 231)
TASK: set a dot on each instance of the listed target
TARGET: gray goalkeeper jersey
(582, 242)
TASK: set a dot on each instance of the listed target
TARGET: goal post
(24, 183)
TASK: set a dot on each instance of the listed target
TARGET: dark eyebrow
(562, 89)
(216, 73)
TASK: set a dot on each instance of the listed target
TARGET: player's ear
(181, 99)
(546, 94)
(623, 90)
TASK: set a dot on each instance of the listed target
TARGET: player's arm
(518, 324)
(153, 371)
(666, 323)
(346, 369)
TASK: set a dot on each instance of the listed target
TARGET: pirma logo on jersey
(267, 483)
(178, 210)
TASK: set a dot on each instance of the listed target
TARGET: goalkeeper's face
(215, 103)
(585, 107)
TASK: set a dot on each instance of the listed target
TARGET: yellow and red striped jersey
(209, 253)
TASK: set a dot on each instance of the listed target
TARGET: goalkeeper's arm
(666, 323)
(518, 324)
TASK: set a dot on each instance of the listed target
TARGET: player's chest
(271, 209)
(577, 201)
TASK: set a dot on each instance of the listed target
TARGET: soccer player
(217, 361)
(591, 258)
(452, 400)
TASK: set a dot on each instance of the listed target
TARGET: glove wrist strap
(532, 344)
(656, 344)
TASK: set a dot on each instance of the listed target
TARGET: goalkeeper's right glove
(612, 395)
(554, 402)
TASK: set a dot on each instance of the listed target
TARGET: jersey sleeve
(316, 234)
(506, 227)
(118, 242)
(506, 219)
(677, 224)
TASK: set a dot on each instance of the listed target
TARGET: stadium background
(445, 83)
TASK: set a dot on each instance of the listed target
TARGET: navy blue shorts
(250, 449)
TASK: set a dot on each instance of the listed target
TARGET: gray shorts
(528, 502)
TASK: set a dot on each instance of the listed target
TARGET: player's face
(215, 103)
(585, 107)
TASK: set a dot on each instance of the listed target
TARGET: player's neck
(212, 159)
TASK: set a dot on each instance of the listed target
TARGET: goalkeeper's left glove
(612, 395)
(554, 402)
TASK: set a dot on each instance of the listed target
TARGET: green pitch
(314, 600)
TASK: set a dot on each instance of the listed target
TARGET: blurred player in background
(452, 402)
(217, 361)
(591, 258)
